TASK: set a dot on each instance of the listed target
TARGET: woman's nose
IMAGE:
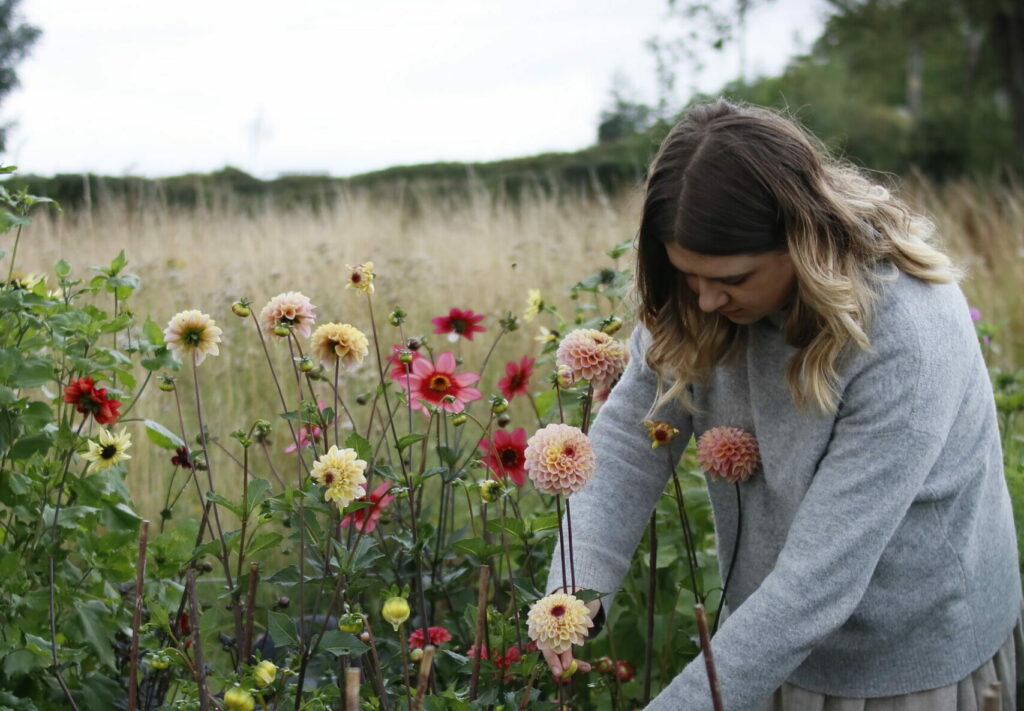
(710, 296)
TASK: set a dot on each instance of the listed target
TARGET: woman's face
(743, 288)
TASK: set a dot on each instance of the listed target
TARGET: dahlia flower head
(333, 342)
(728, 452)
(292, 309)
(557, 622)
(340, 472)
(194, 334)
(592, 355)
(559, 459)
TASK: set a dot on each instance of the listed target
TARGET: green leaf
(22, 662)
(33, 444)
(225, 502)
(153, 332)
(94, 632)
(62, 269)
(161, 436)
(36, 415)
(262, 542)
(258, 490)
(364, 450)
(159, 616)
(119, 263)
(281, 628)
(476, 547)
(545, 522)
(338, 643)
(162, 359)
(619, 249)
(286, 576)
(411, 438)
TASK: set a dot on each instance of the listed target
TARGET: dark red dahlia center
(459, 325)
(108, 451)
(356, 277)
(569, 451)
(329, 478)
(558, 610)
(509, 456)
(440, 383)
(515, 381)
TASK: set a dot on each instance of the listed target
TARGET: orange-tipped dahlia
(728, 452)
(340, 341)
(341, 473)
(558, 621)
(292, 310)
(560, 459)
(592, 355)
(193, 334)
(660, 433)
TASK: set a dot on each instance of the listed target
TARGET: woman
(786, 295)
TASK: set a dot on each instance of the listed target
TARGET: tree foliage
(16, 39)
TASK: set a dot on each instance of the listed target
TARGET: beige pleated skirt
(1006, 667)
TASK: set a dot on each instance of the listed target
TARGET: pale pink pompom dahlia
(728, 452)
(559, 459)
(557, 622)
(292, 309)
(592, 355)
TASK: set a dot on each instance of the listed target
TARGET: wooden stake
(423, 680)
(992, 699)
(709, 661)
(481, 622)
(140, 578)
(352, 689)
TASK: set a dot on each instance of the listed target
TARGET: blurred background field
(476, 249)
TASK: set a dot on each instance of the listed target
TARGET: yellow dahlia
(292, 309)
(194, 334)
(728, 452)
(559, 459)
(340, 341)
(534, 303)
(341, 473)
(558, 621)
(660, 433)
(108, 451)
(360, 277)
(592, 355)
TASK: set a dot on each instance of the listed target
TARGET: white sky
(162, 87)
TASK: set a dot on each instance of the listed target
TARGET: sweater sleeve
(897, 407)
(611, 511)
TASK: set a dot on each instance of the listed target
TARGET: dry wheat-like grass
(480, 251)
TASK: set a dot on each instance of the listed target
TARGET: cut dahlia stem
(378, 676)
(561, 540)
(423, 679)
(481, 625)
(709, 659)
(352, 689)
(403, 645)
(250, 611)
(684, 521)
(732, 561)
(651, 592)
(572, 558)
(140, 577)
(197, 643)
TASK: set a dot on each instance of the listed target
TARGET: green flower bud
(166, 383)
(240, 308)
(264, 673)
(459, 419)
(397, 316)
(498, 404)
(490, 490)
(395, 611)
(281, 330)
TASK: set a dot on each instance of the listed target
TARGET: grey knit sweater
(877, 554)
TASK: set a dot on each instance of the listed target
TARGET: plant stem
(140, 576)
(53, 641)
(651, 592)
(250, 612)
(481, 624)
(197, 642)
(709, 660)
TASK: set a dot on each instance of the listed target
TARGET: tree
(16, 39)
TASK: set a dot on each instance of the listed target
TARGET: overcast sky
(161, 87)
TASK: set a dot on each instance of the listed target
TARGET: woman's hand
(563, 663)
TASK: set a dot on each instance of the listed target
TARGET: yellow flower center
(440, 383)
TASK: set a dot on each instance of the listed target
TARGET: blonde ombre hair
(744, 180)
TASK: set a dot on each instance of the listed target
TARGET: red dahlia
(517, 377)
(458, 323)
(506, 455)
(90, 400)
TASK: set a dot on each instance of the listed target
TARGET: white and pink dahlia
(292, 309)
(559, 459)
(728, 452)
(558, 621)
(592, 355)
(192, 334)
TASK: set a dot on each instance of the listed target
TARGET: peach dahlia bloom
(592, 355)
(728, 452)
(193, 334)
(557, 622)
(292, 309)
(340, 341)
(559, 459)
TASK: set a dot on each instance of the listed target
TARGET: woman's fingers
(564, 662)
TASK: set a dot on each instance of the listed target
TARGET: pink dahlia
(517, 377)
(560, 459)
(292, 310)
(438, 635)
(506, 455)
(365, 519)
(458, 323)
(438, 384)
(592, 355)
(728, 452)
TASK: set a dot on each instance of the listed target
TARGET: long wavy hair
(733, 179)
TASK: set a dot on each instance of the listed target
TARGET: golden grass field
(480, 252)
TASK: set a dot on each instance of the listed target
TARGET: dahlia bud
(166, 513)
(205, 567)
(416, 654)
(395, 611)
(489, 490)
(459, 419)
(611, 324)
(448, 399)
(413, 343)
(498, 404)
(238, 699)
(564, 377)
(405, 356)
(281, 330)
(282, 602)
(305, 364)
(160, 660)
(660, 433)
(604, 665)
(623, 671)
(397, 316)
(504, 419)
(262, 430)
(166, 383)
(365, 637)
(351, 622)
(264, 673)
(240, 308)
(571, 670)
